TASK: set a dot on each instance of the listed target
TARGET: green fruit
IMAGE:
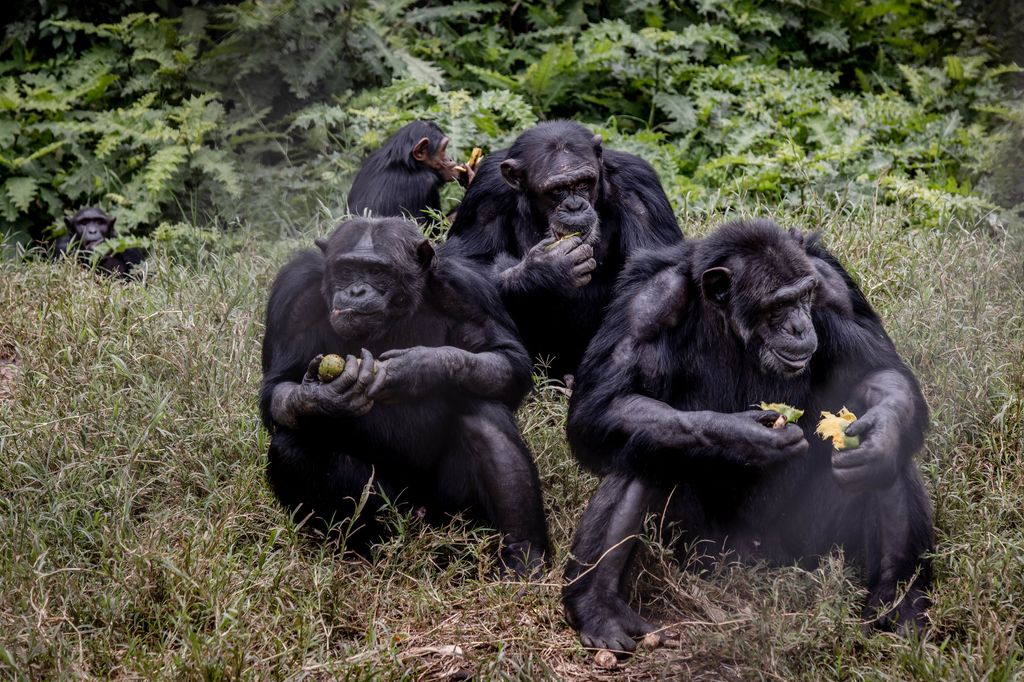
(330, 367)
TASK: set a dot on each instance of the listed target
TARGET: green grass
(138, 537)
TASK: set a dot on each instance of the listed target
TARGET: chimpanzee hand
(749, 437)
(348, 394)
(411, 372)
(872, 465)
(561, 264)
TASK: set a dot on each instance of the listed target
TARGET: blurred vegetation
(261, 111)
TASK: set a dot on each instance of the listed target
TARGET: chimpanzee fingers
(762, 417)
(376, 390)
(581, 251)
(584, 268)
(394, 353)
(861, 426)
(313, 370)
(344, 381)
(365, 375)
(543, 244)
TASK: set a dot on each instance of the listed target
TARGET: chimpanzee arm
(483, 357)
(618, 417)
(414, 372)
(297, 332)
(646, 219)
(861, 359)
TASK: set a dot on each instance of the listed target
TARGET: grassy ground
(139, 539)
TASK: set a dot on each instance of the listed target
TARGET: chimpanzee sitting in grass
(421, 415)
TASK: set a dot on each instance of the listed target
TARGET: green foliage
(766, 100)
(115, 125)
(253, 108)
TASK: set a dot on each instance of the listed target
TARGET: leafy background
(215, 113)
(138, 538)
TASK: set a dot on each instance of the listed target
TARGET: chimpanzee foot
(523, 560)
(907, 617)
(607, 622)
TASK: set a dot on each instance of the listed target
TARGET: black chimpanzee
(697, 335)
(89, 228)
(406, 174)
(429, 422)
(558, 216)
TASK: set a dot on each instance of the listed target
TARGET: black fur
(438, 433)
(392, 183)
(666, 368)
(87, 230)
(500, 225)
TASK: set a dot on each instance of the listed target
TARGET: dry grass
(139, 540)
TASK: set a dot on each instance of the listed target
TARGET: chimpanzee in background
(89, 228)
(558, 216)
(429, 421)
(406, 174)
(698, 334)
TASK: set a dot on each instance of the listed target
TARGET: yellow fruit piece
(788, 411)
(330, 367)
(833, 426)
(474, 157)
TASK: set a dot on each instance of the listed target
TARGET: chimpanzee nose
(357, 290)
(797, 325)
(574, 203)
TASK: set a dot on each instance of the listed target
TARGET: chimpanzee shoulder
(655, 289)
(295, 321)
(635, 194)
(485, 222)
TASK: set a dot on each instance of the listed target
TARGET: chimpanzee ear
(512, 171)
(597, 145)
(425, 254)
(321, 244)
(68, 224)
(715, 284)
(421, 150)
(110, 228)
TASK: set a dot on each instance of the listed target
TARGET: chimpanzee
(89, 228)
(696, 336)
(406, 174)
(558, 216)
(423, 408)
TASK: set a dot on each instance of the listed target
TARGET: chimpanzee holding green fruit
(421, 411)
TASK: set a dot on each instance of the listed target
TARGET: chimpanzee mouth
(563, 231)
(791, 364)
(352, 314)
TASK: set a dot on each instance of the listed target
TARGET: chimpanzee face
(90, 226)
(374, 275)
(561, 179)
(437, 157)
(768, 299)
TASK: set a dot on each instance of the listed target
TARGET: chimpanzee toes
(610, 637)
(609, 623)
(907, 617)
(522, 560)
